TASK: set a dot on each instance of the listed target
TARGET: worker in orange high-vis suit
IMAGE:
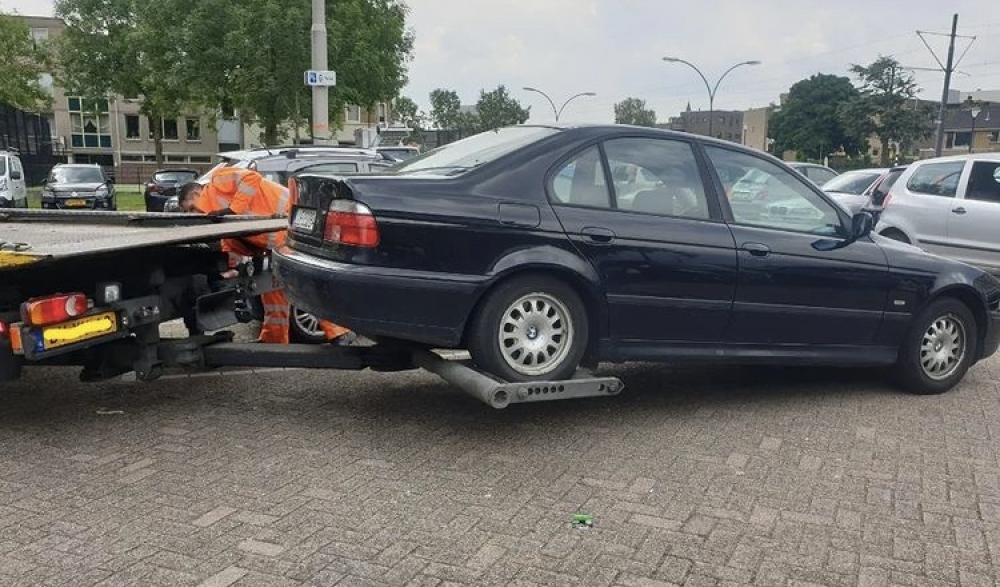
(242, 191)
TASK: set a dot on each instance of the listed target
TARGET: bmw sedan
(526, 247)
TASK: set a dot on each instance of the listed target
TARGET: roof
(987, 156)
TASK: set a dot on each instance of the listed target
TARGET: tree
(886, 106)
(633, 111)
(497, 109)
(20, 65)
(119, 47)
(445, 108)
(809, 121)
(405, 112)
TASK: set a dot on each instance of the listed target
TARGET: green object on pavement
(583, 520)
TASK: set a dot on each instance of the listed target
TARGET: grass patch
(129, 198)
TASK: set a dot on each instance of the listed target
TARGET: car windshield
(852, 182)
(76, 175)
(174, 176)
(474, 151)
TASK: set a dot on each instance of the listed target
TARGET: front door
(974, 217)
(789, 291)
(666, 259)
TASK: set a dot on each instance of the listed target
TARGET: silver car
(851, 188)
(949, 206)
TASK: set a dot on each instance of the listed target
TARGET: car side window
(936, 179)
(656, 176)
(763, 194)
(984, 182)
(581, 181)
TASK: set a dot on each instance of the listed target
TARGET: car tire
(304, 327)
(939, 348)
(531, 328)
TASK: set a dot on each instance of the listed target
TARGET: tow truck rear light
(350, 223)
(4, 330)
(53, 309)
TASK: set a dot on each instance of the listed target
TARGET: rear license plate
(76, 203)
(79, 330)
(304, 219)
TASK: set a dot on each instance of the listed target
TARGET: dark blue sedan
(542, 248)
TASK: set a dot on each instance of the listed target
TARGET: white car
(13, 189)
(949, 206)
(851, 187)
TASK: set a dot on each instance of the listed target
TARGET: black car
(522, 246)
(164, 185)
(79, 186)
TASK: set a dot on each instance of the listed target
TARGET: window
(339, 167)
(763, 194)
(176, 158)
(995, 136)
(381, 112)
(958, 139)
(474, 151)
(936, 179)
(581, 182)
(352, 113)
(200, 159)
(192, 127)
(819, 175)
(656, 177)
(131, 157)
(984, 182)
(39, 35)
(89, 123)
(170, 129)
(132, 127)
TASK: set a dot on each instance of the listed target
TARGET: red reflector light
(350, 223)
(4, 330)
(57, 308)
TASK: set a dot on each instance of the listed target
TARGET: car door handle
(598, 234)
(959, 210)
(756, 249)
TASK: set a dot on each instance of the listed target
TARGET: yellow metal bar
(10, 259)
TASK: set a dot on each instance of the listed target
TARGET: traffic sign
(321, 78)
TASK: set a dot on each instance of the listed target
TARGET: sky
(615, 48)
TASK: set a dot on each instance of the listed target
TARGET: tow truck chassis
(135, 345)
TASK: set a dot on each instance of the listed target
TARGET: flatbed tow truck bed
(90, 289)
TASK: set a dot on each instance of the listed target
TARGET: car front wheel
(939, 348)
(531, 328)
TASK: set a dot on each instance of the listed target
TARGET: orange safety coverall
(243, 191)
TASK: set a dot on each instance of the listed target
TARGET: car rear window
(454, 158)
(175, 176)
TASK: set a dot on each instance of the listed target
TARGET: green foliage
(405, 112)
(634, 111)
(885, 106)
(20, 65)
(809, 121)
(498, 108)
(445, 108)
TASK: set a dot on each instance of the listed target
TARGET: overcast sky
(614, 47)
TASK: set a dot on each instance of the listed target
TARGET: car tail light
(4, 330)
(53, 309)
(350, 223)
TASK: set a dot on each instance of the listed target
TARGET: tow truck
(91, 290)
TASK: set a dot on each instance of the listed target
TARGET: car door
(18, 183)
(925, 203)
(666, 259)
(789, 291)
(975, 215)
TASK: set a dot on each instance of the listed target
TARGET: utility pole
(320, 94)
(939, 133)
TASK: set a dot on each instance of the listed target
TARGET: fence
(30, 137)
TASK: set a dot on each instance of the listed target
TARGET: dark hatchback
(164, 185)
(79, 185)
(543, 248)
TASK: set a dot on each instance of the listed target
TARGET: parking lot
(694, 476)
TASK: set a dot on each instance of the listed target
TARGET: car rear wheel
(939, 348)
(304, 327)
(895, 235)
(531, 328)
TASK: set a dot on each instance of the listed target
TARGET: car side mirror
(15, 174)
(862, 224)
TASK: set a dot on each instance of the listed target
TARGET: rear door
(927, 202)
(973, 221)
(18, 182)
(667, 261)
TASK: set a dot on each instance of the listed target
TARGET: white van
(13, 189)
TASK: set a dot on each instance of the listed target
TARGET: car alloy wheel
(305, 327)
(943, 347)
(535, 334)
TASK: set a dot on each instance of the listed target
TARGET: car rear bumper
(418, 306)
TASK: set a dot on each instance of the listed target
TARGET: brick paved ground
(694, 477)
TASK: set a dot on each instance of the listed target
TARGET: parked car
(949, 206)
(479, 244)
(13, 188)
(79, 185)
(278, 168)
(164, 185)
(244, 158)
(398, 152)
(852, 188)
(819, 174)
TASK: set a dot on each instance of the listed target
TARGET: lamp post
(711, 90)
(974, 110)
(558, 112)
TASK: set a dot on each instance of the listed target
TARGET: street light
(974, 110)
(709, 87)
(558, 113)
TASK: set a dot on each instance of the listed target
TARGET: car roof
(176, 169)
(995, 156)
(281, 162)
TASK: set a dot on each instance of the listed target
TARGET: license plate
(78, 330)
(76, 203)
(304, 219)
